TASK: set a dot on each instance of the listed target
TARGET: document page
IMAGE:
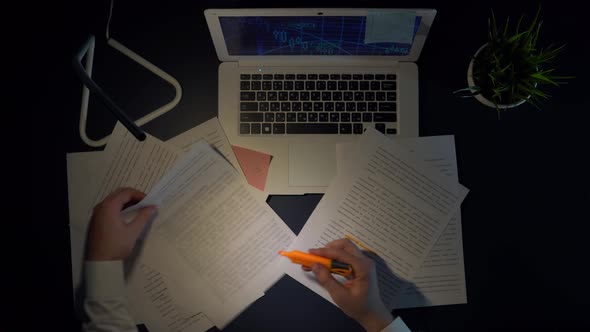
(226, 237)
(393, 203)
(441, 278)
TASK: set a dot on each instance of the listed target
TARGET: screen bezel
(212, 18)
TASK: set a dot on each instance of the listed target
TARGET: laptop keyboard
(344, 104)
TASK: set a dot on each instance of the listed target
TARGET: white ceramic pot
(480, 97)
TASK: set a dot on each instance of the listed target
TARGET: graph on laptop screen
(305, 35)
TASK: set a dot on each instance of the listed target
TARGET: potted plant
(511, 68)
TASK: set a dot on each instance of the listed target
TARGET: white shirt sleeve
(397, 325)
(105, 302)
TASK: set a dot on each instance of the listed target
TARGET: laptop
(294, 83)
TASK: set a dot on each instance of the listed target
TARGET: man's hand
(359, 296)
(109, 237)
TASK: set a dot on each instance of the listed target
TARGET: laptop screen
(308, 35)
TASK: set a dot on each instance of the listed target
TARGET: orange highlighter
(306, 259)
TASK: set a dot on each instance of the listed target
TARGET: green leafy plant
(512, 67)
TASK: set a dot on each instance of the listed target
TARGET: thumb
(325, 279)
(142, 217)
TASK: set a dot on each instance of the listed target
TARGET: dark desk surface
(525, 226)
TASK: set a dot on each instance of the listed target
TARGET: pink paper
(254, 164)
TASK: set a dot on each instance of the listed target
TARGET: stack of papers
(211, 251)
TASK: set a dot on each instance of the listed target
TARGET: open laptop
(295, 82)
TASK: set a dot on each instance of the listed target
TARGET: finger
(325, 279)
(346, 245)
(126, 195)
(142, 217)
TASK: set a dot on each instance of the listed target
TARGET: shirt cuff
(104, 279)
(397, 325)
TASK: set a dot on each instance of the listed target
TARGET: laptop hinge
(318, 63)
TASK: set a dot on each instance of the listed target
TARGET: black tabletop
(525, 225)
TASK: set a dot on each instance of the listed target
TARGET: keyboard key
(351, 107)
(263, 107)
(255, 128)
(272, 95)
(375, 85)
(369, 96)
(310, 85)
(251, 117)
(278, 128)
(323, 117)
(288, 85)
(356, 117)
(372, 107)
(334, 76)
(266, 85)
(312, 117)
(346, 76)
(340, 107)
(391, 96)
(247, 96)
(353, 85)
(386, 107)
(312, 76)
(290, 76)
(380, 96)
(301, 76)
(283, 95)
(279, 77)
(344, 117)
(304, 95)
(266, 128)
(380, 127)
(337, 95)
(293, 95)
(277, 85)
(248, 107)
(244, 128)
(346, 128)
(364, 85)
(384, 117)
(390, 77)
(299, 85)
(275, 107)
(315, 95)
(302, 117)
(256, 85)
(329, 107)
(332, 85)
(367, 117)
(324, 76)
(321, 85)
(244, 76)
(388, 85)
(261, 95)
(334, 117)
(361, 107)
(343, 85)
(245, 85)
(256, 77)
(296, 107)
(348, 95)
(286, 106)
(291, 117)
(359, 96)
(380, 77)
(267, 76)
(318, 107)
(312, 128)
(307, 107)
(357, 76)
(269, 117)
(391, 131)
(326, 95)
(369, 76)
(357, 128)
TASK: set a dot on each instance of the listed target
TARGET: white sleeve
(105, 302)
(397, 325)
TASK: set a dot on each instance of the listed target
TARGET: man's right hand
(359, 296)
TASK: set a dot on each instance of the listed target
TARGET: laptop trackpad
(311, 164)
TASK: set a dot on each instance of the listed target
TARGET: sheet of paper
(392, 202)
(227, 237)
(82, 168)
(212, 133)
(388, 27)
(254, 164)
(441, 278)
